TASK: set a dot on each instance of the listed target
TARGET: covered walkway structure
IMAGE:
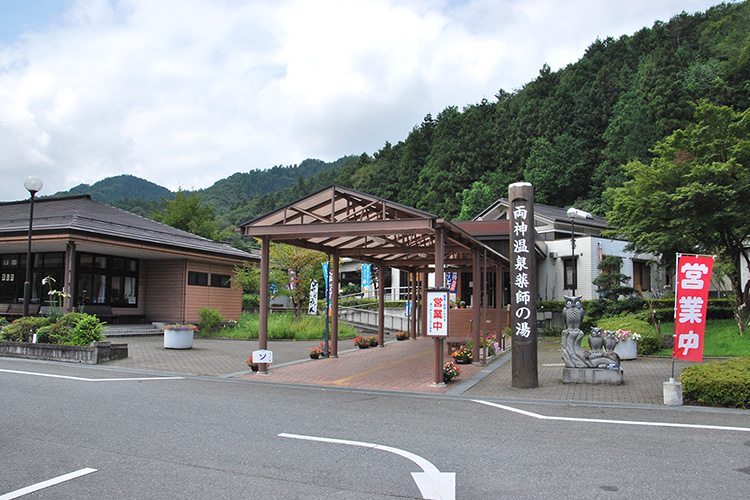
(342, 222)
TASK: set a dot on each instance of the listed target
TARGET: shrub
(210, 319)
(22, 329)
(650, 341)
(718, 383)
(71, 329)
(88, 329)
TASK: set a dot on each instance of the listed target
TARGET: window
(641, 276)
(570, 280)
(13, 276)
(197, 279)
(221, 280)
(106, 280)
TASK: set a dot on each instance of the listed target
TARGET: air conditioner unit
(553, 255)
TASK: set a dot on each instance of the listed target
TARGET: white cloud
(184, 96)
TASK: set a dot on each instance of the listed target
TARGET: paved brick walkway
(398, 366)
(406, 366)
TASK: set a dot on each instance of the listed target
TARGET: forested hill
(568, 131)
(120, 187)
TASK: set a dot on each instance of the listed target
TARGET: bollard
(673, 393)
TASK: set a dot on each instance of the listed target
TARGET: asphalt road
(207, 438)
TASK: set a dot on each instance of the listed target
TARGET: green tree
(186, 212)
(291, 271)
(693, 196)
(611, 282)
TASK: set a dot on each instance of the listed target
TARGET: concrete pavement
(406, 366)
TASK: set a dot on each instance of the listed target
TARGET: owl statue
(596, 340)
(573, 312)
(610, 341)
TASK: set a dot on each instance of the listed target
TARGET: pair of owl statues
(598, 340)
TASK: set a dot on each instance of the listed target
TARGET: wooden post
(475, 299)
(381, 303)
(439, 282)
(414, 308)
(523, 286)
(265, 261)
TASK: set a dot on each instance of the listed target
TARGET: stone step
(131, 330)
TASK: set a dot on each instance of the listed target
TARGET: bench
(100, 311)
(15, 310)
(454, 344)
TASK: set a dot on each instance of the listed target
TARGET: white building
(556, 272)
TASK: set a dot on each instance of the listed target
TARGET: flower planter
(462, 361)
(314, 356)
(178, 339)
(627, 349)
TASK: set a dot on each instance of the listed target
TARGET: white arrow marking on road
(620, 422)
(90, 379)
(433, 484)
(46, 484)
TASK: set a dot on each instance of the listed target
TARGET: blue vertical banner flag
(448, 279)
(366, 277)
(407, 308)
(325, 275)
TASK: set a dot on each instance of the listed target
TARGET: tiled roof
(84, 215)
(555, 214)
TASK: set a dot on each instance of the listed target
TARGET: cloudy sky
(186, 92)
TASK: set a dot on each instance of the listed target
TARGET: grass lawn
(722, 339)
(282, 326)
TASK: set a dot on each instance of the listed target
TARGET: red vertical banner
(691, 305)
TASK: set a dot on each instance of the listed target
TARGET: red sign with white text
(437, 312)
(691, 306)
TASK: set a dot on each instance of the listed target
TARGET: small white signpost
(263, 356)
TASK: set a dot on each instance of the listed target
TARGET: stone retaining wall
(97, 352)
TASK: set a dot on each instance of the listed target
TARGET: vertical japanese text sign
(691, 305)
(366, 277)
(437, 312)
(523, 283)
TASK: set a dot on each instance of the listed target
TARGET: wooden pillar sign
(523, 286)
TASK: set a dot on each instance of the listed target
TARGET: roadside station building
(118, 265)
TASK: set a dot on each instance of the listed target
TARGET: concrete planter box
(97, 352)
(178, 339)
(627, 349)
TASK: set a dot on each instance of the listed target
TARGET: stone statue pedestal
(592, 376)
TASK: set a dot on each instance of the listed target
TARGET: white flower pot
(178, 339)
(627, 349)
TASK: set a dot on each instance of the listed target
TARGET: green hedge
(718, 383)
(71, 329)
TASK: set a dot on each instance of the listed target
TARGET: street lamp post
(572, 214)
(33, 185)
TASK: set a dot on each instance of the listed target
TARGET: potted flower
(362, 342)
(627, 344)
(462, 355)
(402, 335)
(450, 371)
(373, 341)
(179, 335)
(316, 352)
(253, 366)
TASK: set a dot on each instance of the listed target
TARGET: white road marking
(432, 483)
(619, 422)
(67, 377)
(46, 484)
